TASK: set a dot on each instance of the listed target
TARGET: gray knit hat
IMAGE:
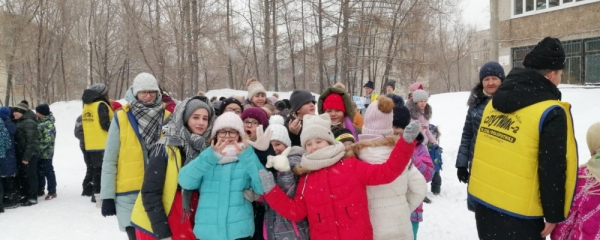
(316, 126)
(100, 88)
(419, 95)
(193, 105)
(144, 82)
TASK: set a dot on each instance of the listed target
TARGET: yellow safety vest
(130, 166)
(505, 163)
(139, 217)
(93, 134)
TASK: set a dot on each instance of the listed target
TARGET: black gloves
(463, 174)
(108, 207)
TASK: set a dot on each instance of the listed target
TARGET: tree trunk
(267, 36)
(228, 30)
(275, 68)
(256, 73)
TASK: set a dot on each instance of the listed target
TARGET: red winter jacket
(335, 198)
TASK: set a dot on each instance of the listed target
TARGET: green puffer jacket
(46, 136)
(27, 136)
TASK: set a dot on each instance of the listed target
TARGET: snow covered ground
(71, 216)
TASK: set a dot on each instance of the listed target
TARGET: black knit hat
(43, 109)
(343, 135)
(491, 69)
(392, 84)
(299, 98)
(280, 105)
(547, 54)
(401, 116)
(369, 84)
(228, 101)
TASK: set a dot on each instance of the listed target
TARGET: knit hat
(299, 98)
(229, 120)
(193, 105)
(401, 116)
(343, 135)
(379, 117)
(228, 101)
(21, 107)
(144, 82)
(420, 95)
(398, 100)
(392, 84)
(491, 69)
(254, 87)
(369, 84)
(100, 88)
(115, 105)
(415, 86)
(257, 113)
(200, 93)
(316, 126)
(280, 105)
(334, 101)
(593, 138)
(280, 132)
(26, 103)
(43, 109)
(547, 54)
(5, 112)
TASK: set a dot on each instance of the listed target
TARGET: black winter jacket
(90, 96)
(27, 136)
(477, 102)
(523, 88)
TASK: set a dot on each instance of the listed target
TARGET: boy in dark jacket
(47, 136)
(8, 165)
(27, 147)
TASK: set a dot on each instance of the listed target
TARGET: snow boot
(1, 210)
(29, 202)
(93, 198)
(88, 191)
(427, 200)
(98, 200)
(50, 196)
(41, 193)
(12, 201)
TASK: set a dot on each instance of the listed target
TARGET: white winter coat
(390, 205)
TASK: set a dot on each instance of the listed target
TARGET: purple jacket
(583, 221)
(422, 161)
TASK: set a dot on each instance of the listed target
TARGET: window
(541, 4)
(518, 7)
(529, 7)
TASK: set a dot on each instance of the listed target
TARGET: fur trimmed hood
(477, 96)
(373, 151)
(414, 110)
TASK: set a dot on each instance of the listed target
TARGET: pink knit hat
(379, 117)
(415, 86)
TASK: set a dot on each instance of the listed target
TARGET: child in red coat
(333, 194)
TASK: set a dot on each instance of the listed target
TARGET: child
(583, 221)
(333, 195)
(46, 136)
(253, 117)
(221, 173)
(275, 225)
(420, 110)
(390, 205)
(338, 104)
(435, 151)
(257, 95)
(344, 136)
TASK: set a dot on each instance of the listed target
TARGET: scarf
(593, 171)
(149, 117)
(323, 157)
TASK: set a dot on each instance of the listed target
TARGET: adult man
(525, 160)
(26, 141)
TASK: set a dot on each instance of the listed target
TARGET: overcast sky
(477, 12)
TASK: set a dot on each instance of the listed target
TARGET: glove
(411, 131)
(263, 140)
(250, 195)
(108, 207)
(266, 178)
(281, 163)
(463, 174)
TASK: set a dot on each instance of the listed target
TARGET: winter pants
(87, 180)
(493, 225)
(28, 174)
(415, 227)
(10, 195)
(130, 233)
(96, 161)
(1, 194)
(436, 182)
(259, 218)
(46, 172)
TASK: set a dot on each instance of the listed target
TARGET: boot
(427, 200)
(1, 210)
(41, 193)
(29, 202)
(12, 201)
(50, 196)
(93, 198)
(87, 191)
(98, 200)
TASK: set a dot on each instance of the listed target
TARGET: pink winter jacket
(583, 221)
(423, 163)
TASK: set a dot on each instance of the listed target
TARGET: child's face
(336, 115)
(250, 125)
(398, 131)
(347, 143)
(259, 99)
(228, 135)
(278, 146)
(421, 104)
(306, 109)
(315, 144)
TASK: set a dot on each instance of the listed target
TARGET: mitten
(250, 195)
(411, 131)
(263, 140)
(266, 178)
(108, 207)
(281, 163)
(463, 174)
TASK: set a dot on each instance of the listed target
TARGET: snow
(71, 216)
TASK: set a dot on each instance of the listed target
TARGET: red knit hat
(115, 105)
(334, 101)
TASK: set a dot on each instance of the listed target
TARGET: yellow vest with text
(504, 173)
(130, 165)
(139, 217)
(93, 134)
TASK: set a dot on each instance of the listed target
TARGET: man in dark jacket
(525, 159)
(8, 164)
(27, 148)
(491, 75)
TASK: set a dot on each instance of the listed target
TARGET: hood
(477, 96)
(29, 115)
(90, 96)
(129, 97)
(415, 112)
(345, 96)
(5, 113)
(522, 88)
(373, 151)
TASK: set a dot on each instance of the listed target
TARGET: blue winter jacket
(8, 165)
(223, 213)
(477, 102)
